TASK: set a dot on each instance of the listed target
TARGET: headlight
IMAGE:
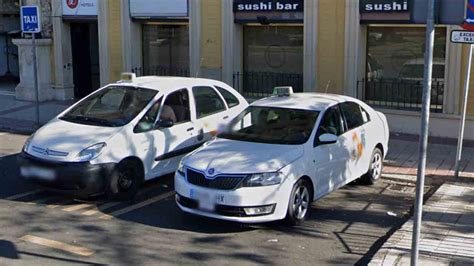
(26, 146)
(265, 179)
(181, 168)
(91, 152)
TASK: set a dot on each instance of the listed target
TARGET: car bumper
(230, 205)
(75, 179)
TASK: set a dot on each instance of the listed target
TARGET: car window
(112, 106)
(352, 114)
(148, 120)
(208, 102)
(331, 123)
(365, 115)
(230, 99)
(176, 107)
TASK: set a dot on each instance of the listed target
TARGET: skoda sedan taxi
(279, 155)
(126, 133)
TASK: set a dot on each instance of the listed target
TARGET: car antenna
(199, 69)
(327, 86)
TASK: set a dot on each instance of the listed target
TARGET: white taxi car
(126, 133)
(279, 155)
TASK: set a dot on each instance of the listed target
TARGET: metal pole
(35, 73)
(425, 120)
(463, 115)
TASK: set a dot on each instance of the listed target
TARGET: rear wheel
(299, 204)
(124, 182)
(375, 168)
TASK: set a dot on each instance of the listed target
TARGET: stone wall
(9, 7)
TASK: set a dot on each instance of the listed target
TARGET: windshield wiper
(90, 120)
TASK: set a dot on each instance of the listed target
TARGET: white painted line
(58, 245)
(58, 204)
(136, 206)
(40, 200)
(78, 207)
(100, 208)
(21, 195)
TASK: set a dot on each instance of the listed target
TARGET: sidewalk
(447, 235)
(20, 116)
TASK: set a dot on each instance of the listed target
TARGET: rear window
(229, 98)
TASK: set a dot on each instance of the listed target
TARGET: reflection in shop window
(165, 50)
(273, 56)
(395, 67)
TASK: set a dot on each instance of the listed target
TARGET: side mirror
(328, 138)
(165, 123)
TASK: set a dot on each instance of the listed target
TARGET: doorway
(85, 58)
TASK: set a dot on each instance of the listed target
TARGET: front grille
(224, 182)
(49, 152)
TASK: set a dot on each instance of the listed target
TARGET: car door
(165, 146)
(356, 138)
(330, 160)
(211, 112)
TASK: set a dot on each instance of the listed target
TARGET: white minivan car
(125, 133)
(279, 155)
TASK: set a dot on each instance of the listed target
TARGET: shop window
(395, 67)
(273, 56)
(165, 50)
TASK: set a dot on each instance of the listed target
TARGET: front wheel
(375, 168)
(299, 204)
(124, 182)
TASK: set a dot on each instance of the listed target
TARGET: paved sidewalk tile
(447, 235)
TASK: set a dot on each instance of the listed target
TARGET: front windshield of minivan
(113, 106)
(272, 125)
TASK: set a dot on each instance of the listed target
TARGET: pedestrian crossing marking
(136, 206)
(77, 250)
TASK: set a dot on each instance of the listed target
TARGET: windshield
(272, 125)
(113, 106)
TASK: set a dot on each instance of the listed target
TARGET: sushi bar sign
(384, 11)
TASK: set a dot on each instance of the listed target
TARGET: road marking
(78, 250)
(58, 204)
(40, 200)
(21, 195)
(100, 208)
(136, 206)
(78, 207)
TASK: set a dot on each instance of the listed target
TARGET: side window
(228, 97)
(208, 102)
(148, 120)
(353, 115)
(331, 123)
(176, 107)
(365, 115)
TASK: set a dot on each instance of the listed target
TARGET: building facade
(368, 49)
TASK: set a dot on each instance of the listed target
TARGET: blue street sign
(30, 19)
(469, 21)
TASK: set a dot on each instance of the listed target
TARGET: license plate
(206, 201)
(38, 172)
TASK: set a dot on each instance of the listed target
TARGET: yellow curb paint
(100, 208)
(58, 245)
(22, 195)
(78, 207)
(136, 206)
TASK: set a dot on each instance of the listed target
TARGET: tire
(299, 203)
(375, 168)
(124, 182)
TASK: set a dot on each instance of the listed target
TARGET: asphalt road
(37, 227)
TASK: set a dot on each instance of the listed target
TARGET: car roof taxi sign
(128, 77)
(283, 91)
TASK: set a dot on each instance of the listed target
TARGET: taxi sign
(128, 77)
(462, 36)
(283, 91)
(30, 19)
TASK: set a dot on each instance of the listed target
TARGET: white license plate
(41, 173)
(206, 201)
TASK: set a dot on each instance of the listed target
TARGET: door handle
(189, 129)
(225, 117)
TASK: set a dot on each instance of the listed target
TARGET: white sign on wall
(80, 7)
(159, 9)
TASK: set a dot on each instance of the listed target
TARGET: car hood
(67, 138)
(239, 157)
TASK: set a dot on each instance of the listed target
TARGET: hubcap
(301, 202)
(376, 166)
(125, 181)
